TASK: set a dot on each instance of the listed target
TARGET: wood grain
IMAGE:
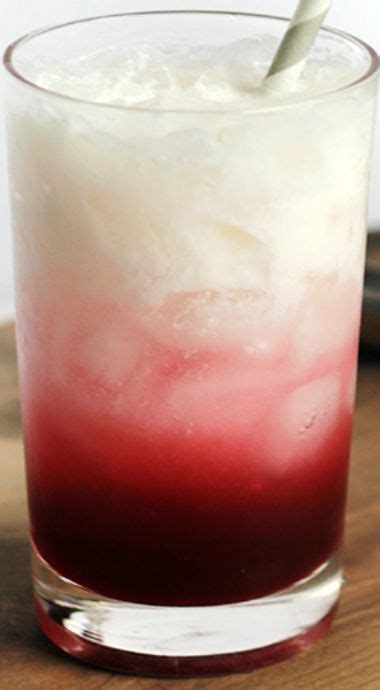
(347, 659)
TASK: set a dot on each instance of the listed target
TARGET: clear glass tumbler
(189, 287)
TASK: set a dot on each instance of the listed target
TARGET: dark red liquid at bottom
(162, 521)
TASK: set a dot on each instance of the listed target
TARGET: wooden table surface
(348, 658)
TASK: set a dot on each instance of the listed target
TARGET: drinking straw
(295, 46)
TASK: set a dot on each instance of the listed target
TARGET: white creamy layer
(155, 203)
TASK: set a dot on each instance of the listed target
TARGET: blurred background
(18, 17)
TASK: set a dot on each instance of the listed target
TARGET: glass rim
(9, 53)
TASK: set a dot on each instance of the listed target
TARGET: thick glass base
(183, 641)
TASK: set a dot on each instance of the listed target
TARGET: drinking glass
(189, 284)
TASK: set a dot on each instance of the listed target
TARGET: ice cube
(217, 319)
(226, 396)
(105, 356)
(327, 319)
(303, 420)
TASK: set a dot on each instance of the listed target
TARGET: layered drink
(189, 257)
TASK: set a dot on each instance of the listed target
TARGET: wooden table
(347, 659)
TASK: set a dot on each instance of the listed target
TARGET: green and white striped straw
(294, 48)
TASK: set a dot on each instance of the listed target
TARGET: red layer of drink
(198, 478)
